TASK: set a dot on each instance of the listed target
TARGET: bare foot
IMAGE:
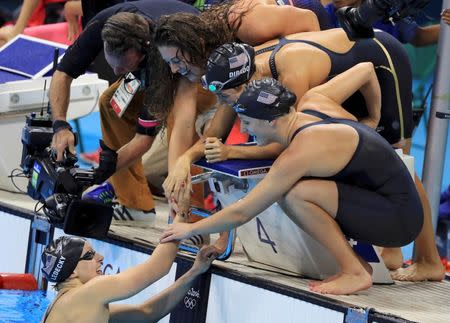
(320, 282)
(420, 271)
(364, 263)
(392, 257)
(345, 284)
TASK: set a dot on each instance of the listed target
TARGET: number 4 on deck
(265, 238)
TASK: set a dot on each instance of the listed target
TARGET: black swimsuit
(377, 199)
(393, 71)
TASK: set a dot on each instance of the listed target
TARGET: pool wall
(218, 296)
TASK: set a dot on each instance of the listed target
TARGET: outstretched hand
(204, 258)
(176, 231)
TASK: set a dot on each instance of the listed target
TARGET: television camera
(357, 22)
(59, 185)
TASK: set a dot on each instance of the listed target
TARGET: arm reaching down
(133, 150)
(284, 173)
(360, 77)
(182, 136)
(111, 161)
(220, 127)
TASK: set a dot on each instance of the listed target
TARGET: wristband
(59, 125)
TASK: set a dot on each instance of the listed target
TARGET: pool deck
(403, 301)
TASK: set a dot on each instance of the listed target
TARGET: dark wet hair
(191, 34)
(218, 17)
(126, 30)
(196, 36)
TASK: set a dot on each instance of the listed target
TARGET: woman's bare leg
(427, 265)
(312, 205)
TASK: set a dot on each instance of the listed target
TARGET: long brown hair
(125, 31)
(198, 35)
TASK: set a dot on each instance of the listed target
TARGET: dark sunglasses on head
(89, 255)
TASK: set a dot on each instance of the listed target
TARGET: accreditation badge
(128, 87)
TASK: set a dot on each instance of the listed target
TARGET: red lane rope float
(18, 281)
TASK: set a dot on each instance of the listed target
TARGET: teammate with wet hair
(336, 177)
(185, 42)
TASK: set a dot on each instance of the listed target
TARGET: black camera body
(357, 22)
(59, 185)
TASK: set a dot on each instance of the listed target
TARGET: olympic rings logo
(189, 302)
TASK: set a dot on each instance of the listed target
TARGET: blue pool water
(22, 306)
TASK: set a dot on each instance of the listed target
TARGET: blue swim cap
(265, 99)
(229, 66)
(60, 258)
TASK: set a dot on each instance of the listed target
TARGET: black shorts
(385, 220)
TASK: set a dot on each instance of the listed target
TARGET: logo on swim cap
(49, 264)
(58, 268)
(235, 74)
(238, 60)
(266, 98)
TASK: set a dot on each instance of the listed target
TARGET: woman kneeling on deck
(336, 178)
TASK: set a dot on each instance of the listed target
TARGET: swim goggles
(214, 86)
(89, 255)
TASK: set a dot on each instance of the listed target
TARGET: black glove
(107, 164)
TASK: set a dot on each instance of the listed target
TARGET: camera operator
(128, 48)
(406, 30)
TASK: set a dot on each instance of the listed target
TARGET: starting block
(272, 238)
